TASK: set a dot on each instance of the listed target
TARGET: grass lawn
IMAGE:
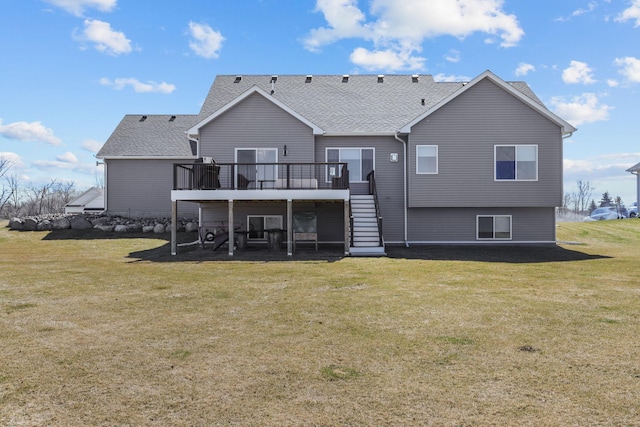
(97, 330)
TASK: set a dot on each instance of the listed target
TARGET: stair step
(379, 251)
(368, 235)
(366, 238)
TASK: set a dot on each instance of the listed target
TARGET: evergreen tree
(606, 200)
(593, 206)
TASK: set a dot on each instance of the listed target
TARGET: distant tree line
(30, 199)
(580, 202)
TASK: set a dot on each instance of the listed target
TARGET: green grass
(99, 330)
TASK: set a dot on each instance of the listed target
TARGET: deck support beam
(230, 228)
(174, 227)
(289, 226)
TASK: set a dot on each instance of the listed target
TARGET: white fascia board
(634, 168)
(195, 130)
(257, 195)
(147, 157)
(566, 127)
(359, 134)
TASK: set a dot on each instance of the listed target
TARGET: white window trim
(494, 228)
(495, 169)
(326, 157)
(264, 217)
(437, 159)
(255, 149)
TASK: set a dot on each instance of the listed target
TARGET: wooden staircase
(365, 233)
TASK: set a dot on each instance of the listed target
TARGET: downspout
(404, 183)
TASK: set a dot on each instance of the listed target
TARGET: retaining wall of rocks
(101, 222)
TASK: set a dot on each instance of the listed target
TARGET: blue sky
(72, 68)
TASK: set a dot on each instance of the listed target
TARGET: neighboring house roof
(140, 135)
(90, 200)
(366, 104)
(634, 168)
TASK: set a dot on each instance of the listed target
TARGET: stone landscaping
(101, 222)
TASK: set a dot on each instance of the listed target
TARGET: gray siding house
(368, 160)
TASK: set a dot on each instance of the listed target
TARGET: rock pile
(101, 222)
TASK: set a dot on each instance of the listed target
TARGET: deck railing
(260, 176)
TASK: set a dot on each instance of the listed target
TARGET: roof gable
(194, 130)
(509, 88)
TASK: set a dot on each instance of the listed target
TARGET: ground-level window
(516, 162)
(427, 159)
(359, 162)
(258, 224)
(493, 227)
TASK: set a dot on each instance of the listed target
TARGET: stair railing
(373, 191)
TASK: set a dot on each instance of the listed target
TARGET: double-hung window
(426, 159)
(493, 227)
(359, 162)
(516, 162)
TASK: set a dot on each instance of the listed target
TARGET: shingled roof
(151, 136)
(337, 104)
(344, 104)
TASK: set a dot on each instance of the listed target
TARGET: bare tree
(582, 196)
(16, 196)
(36, 205)
(99, 180)
(61, 194)
(5, 192)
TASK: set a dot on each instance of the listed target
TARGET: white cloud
(443, 78)
(631, 13)
(524, 69)
(345, 20)
(581, 109)
(613, 83)
(77, 7)
(453, 56)
(67, 157)
(578, 72)
(590, 8)
(104, 37)
(13, 158)
(91, 145)
(48, 165)
(206, 41)
(629, 67)
(137, 85)
(401, 26)
(29, 132)
(386, 60)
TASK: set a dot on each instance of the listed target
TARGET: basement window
(493, 227)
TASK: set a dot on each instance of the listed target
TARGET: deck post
(347, 221)
(230, 228)
(174, 227)
(289, 226)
